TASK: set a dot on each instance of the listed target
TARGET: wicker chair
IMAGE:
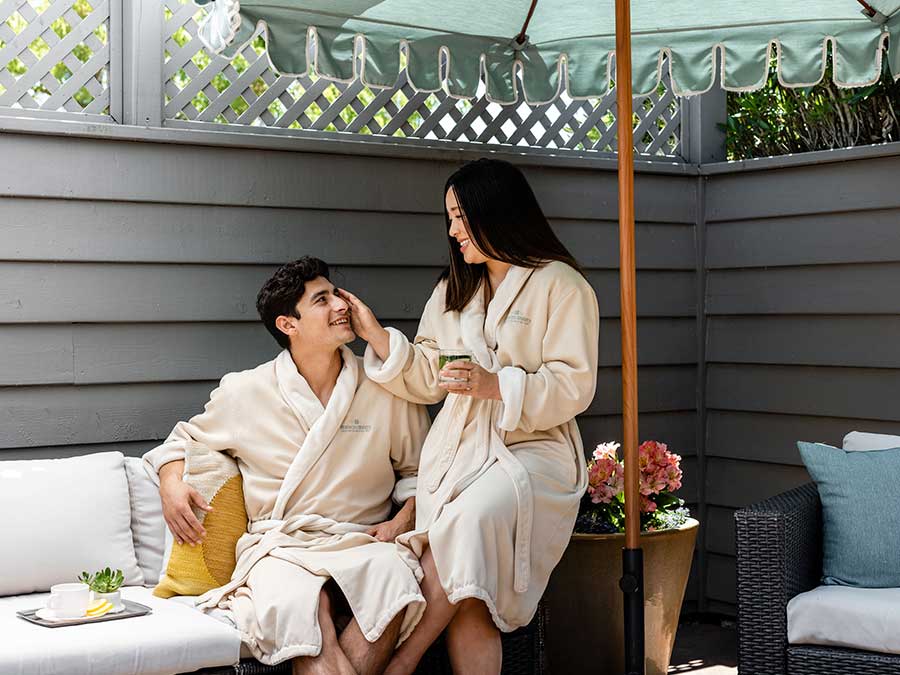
(523, 654)
(779, 555)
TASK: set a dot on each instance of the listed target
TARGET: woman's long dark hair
(504, 220)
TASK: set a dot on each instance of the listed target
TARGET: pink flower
(605, 474)
(606, 450)
(647, 505)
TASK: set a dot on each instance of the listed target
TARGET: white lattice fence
(246, 91)
(54, 55)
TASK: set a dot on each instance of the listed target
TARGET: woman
(502, 469)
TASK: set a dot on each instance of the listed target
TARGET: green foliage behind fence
(779, 121)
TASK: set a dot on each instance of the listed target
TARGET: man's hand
(177, 498)
(404, 521)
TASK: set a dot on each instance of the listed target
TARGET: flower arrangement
(603, 506)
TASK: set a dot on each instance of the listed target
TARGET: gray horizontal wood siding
(803, 329)
(126, 291)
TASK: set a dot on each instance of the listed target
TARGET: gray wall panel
(36, 354)
(117, 231)
(66, 415)
(859, 236)
(819, 188)
(183, 174)
(720, 530)
(861, 341)
(773, 438)
(141, 292)
(827, 289)
(154, 352)
(661, 389)
(132, 449)
(865, 393)
(721, 580)
(677, 429)
(803, 306)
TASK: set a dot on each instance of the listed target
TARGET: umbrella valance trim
(503, 67)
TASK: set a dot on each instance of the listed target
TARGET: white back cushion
(61, 517)
(861, 440)
(147, 525)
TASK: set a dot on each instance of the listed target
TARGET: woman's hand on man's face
(475, 380)
(362, 319)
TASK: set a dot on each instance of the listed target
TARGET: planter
(584, 603)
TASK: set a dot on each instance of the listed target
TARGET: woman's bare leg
(438, 614)
(331, 660)
(473, 640)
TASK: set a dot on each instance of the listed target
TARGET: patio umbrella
(536, 50)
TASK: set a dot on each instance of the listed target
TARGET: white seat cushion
(844, 616)
(217, 613)
(62, 517)
(173, 639)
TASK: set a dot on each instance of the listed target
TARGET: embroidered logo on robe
(356, 428)
(517, 317)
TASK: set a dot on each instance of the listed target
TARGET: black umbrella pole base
(632, 585)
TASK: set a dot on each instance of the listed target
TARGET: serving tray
(131, 609)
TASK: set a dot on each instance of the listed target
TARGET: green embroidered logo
(356, 428)
(517, 317)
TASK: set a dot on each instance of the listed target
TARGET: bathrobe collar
(320, 423)
(479, 326)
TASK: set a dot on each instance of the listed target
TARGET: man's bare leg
(473, 640)
(331, 660)
(370, 658)
(438, 614)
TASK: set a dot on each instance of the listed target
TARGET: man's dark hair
(281, 293)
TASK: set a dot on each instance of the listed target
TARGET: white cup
(69, 601)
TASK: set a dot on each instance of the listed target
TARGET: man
(318, 445)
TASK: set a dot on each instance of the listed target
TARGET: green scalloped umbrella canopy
(700, 37)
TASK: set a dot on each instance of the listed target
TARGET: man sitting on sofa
(318, 446)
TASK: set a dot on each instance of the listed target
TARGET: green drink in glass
(449, 356)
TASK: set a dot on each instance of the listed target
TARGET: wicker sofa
(779, 556)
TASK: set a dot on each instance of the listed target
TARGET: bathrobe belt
(272, 534)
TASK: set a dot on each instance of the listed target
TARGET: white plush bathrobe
(314, 479)
(500, 481)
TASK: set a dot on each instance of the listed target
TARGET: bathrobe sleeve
(564, 384)
(213, 428)
(409, 427)
(411, 369)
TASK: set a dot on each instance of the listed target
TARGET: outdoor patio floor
(705, 647)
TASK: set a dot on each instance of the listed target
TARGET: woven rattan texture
(815, 660)
(779, 554)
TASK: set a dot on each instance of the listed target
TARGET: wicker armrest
(779, 554)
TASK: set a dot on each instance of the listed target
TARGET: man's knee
(473, 609)
(325, 605)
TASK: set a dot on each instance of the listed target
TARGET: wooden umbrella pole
(632, 557)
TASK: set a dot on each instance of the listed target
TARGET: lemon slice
(99, 607)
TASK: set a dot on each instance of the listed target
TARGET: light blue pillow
(860, 493)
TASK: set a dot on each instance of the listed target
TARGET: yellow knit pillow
(193, 570)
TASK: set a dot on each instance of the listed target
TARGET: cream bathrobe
(500, 481)
(314, 480)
